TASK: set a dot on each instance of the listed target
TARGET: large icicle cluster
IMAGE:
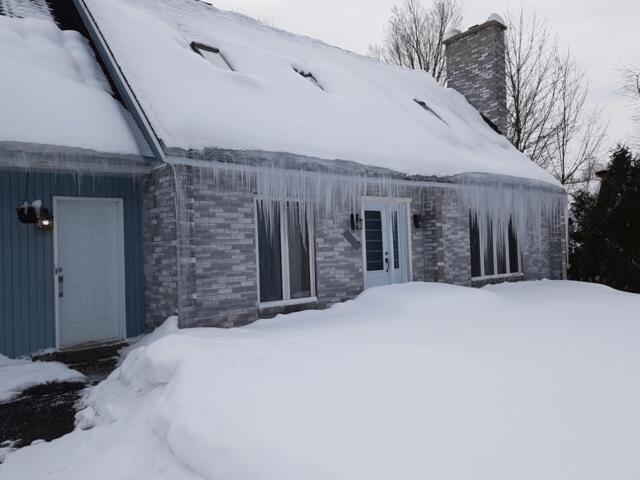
(525, 204)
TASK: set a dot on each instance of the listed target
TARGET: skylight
(428, 109)
(212, 55)
(309, 76)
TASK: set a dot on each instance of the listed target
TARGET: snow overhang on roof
(364, 111)
(52, 90)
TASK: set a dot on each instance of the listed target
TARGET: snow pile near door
(364, 110)
(52, 90)
(528, 381)
(17, 375)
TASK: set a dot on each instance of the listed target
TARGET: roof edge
(25, 155)
(257, 159)
(118, 78)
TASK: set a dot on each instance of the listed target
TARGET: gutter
(120, 81)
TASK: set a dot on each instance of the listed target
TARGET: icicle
(492, 200)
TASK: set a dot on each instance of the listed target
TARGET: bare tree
(631, 88)
(547, 101)
(532, 87)
(548, 114)
(415, 33)
(574, 150)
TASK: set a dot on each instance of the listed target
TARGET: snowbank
(363, 110)
(17, 375)
(527, 381)
(52, 90)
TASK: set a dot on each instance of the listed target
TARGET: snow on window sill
(288, 303)
(498, 276)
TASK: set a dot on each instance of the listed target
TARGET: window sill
(287, 303)
(497, 277)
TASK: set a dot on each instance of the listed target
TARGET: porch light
(27, 213)
(356, 222)
(45, 221)
(417, 220)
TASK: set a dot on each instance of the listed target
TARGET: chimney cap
(496, 17)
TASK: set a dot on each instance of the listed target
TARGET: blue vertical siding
(27, 316)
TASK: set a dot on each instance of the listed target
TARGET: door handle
(60, 286)
(386, 260)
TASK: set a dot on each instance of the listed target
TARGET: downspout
(176, 203)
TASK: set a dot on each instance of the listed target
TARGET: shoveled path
(46, 412)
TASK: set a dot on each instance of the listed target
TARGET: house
(174, 158)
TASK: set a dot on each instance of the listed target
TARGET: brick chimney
(476, 68)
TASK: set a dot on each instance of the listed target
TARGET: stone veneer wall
(218, 250)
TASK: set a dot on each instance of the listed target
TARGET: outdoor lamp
(45, 221)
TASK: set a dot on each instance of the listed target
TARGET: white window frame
(519, 273)
(284, 256)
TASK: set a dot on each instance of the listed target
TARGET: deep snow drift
(17, 375)
(525, 381)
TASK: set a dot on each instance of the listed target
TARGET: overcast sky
(603, 35)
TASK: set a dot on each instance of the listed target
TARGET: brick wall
(218, 252)
(476, 68)
(339, 269)
(456, 242)
(546, 256)
(159, 247)
(217, 249)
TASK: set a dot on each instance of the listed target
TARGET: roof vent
(212, 55)
(429, 109)
(309, 76)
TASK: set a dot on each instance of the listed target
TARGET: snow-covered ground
(522, 381)
(17, 375)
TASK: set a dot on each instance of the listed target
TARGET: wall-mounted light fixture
(417, 220)
(27, 213)
(45, 221)
(34, 213)
(356, 222)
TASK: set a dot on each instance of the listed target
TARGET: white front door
(89, 270)
(386, 241)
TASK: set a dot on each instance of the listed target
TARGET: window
(212, 55)
(285, 253)
(309, 76)
(375, 246)
(396, 241)
(501, 258)
(429, 109)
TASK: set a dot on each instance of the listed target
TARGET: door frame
(121, 288)
(399, 200)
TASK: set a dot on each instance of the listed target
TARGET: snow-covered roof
(26, 8)
(52, 90)
(359, 110)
